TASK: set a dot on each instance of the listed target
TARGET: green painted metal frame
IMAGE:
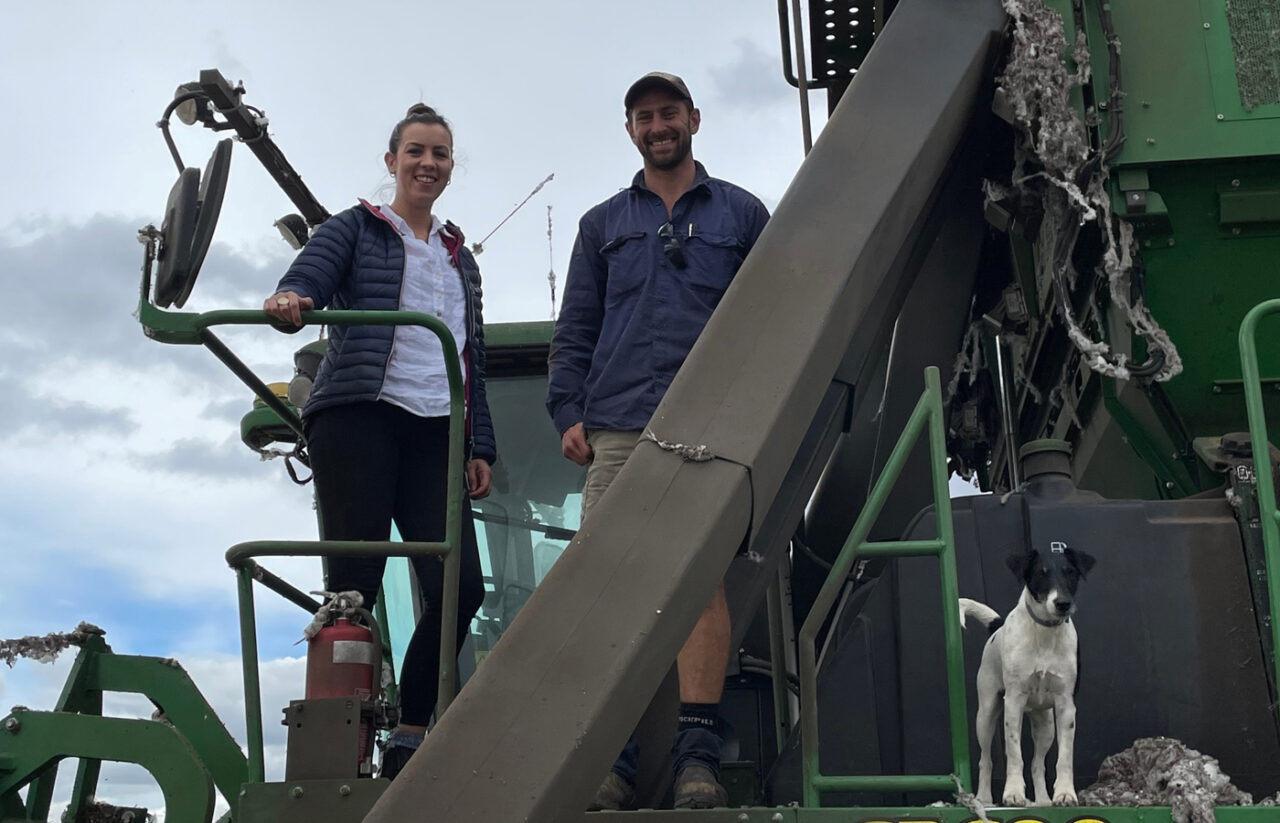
(928, 413)
(527, 333)
(157, 747)
(240, 557)
(1172, 477)
(1267, 514)
(198, 744)
(188, 328)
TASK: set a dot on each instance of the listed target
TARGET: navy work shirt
(630, 315)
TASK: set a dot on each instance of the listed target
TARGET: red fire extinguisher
(341, 661)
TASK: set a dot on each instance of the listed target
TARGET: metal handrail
(1261, 443)
(189, 328)
(928, 412)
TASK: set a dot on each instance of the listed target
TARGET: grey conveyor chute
(768, 388)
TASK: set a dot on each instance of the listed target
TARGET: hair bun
(419, 108)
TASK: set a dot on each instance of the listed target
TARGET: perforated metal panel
(841, 33)
(1255, 36)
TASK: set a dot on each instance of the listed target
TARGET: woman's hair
(417, 113)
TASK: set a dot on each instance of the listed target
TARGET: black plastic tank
(1169, 639)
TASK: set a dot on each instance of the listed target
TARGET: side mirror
(191, 216)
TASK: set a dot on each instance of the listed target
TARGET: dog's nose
(1063, 606)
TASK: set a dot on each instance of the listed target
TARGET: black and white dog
(1031, 659)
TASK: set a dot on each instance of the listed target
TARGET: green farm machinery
(1065, 216)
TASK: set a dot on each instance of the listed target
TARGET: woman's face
(423, 164)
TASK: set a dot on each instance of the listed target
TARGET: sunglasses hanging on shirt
(672, 246)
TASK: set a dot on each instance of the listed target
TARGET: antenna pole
(551, 267)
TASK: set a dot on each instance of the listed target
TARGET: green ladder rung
(901, 548)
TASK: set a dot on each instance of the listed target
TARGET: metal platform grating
(841, 33)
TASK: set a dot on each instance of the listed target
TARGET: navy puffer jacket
(355, 260)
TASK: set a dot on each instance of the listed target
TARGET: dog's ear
(1021, 564)
(1082, 560)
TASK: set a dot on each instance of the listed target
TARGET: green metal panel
(1179, 76)
(262, 426)
(37, 739)
(1259, 206)
(1209, 230)
(1225, 32)
(10, 804)
(167, 685)
(308, 801)
(1201, 287)
(498, 335)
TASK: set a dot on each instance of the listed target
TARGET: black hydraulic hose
(1154, 363)
(1115, 103)
(1156, 356)
(813, 557)
(810, 553)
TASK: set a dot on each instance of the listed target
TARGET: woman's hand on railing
(479, 478)
(288, 307)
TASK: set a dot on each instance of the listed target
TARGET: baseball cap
(656, 80)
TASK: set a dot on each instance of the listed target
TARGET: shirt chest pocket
(628, 265)
(713, 261)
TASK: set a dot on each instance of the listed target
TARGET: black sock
(698, 738)
(700, 716)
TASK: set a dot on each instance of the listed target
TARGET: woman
(377, 419)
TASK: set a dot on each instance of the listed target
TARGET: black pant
(374, 463)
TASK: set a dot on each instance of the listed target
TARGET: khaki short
(610, 451)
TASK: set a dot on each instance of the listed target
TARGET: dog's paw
(984, 797)
(1066, 797)
(1014, 797)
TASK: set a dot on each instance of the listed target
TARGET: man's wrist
(567, 418)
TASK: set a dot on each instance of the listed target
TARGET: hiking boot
(697, 788)
(614, 794)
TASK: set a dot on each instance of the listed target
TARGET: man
(648, 268)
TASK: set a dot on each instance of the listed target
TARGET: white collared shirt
(416, 379)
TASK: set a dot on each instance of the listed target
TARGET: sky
(122, 478)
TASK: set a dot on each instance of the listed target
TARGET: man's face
(662, 126)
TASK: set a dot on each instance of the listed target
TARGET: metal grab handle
(241, 552)
(187, 328)
(927, 417)
(1261, 444)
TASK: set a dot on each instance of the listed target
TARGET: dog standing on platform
(1032, 660)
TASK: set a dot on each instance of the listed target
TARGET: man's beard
(684, 146)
